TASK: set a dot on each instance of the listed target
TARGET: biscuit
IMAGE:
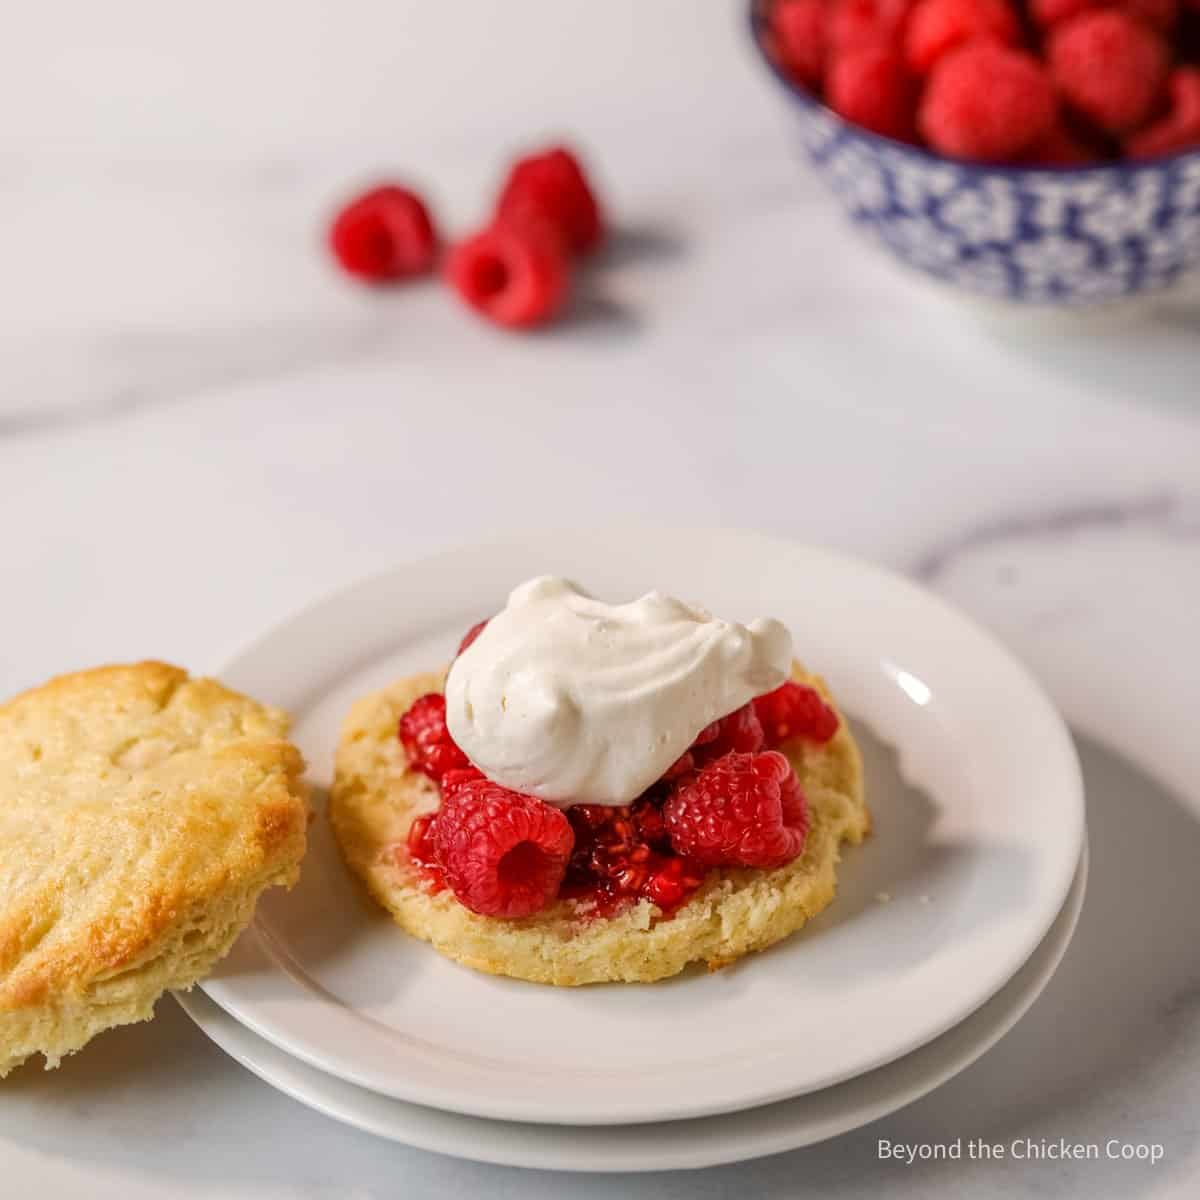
(141, 815)
(375, 798)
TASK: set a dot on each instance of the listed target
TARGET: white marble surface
(202, 427)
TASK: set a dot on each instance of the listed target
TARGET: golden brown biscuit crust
(375, 798)
(141, 815)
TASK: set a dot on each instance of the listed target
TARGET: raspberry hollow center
(489, 275)
(525, 861)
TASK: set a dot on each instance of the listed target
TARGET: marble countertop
(202, 428)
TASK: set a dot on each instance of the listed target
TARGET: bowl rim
(757, 19)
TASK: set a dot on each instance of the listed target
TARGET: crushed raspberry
(872, 87)
(796, 35)
(623, 855)
(937, 26)
(514, 275)
(1159, 14)
(986, 102)
(426, 740)
(422, 842)
(795, 710)
(743, 810)
(649, 823)
(470, 636)
(1109, 67)
(503, 854)
(552, 189)
(853, 24)
(740, 731)
(384, 234)
(672, 881)
(1180, 128)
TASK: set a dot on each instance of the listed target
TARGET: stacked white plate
(948, 922)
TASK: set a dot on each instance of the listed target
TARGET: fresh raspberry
(1180, 128)
(551, 188)
(743, 810)
(854, 24)
(1109, 67)
(503, 854)
(937, 26)
(515, 276)
(795, 710)
(384, 234)
(1159, 14)
(426, 740)
(740, 731)
(1059, 148)
(796, 36)
(871, 87)
(458, 777)
(470, 636)
(986, 102)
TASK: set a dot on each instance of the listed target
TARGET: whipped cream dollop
(576, 701)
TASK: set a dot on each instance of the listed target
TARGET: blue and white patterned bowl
(1038, 235)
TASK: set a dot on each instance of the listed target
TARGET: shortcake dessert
(601, 792)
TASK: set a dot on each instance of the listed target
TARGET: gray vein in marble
(1170, 513)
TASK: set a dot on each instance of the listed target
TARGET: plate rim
(524, 1144)
(939, 611)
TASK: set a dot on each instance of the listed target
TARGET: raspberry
(1109, 67)
(986, 102)
(458, 777)
(740, 731)
(871, 87)
(743, 810)
(794, 710)
(671, 881)
(384, 234)
(503, 854)
(551, 188)
(854, 24)
(796, 35)
(422, 841)
(1180, 128)
(426, 740)
(624, 854)
(608, 847)
(649, 823)
(1159, 14)
(937, 26)
(515, 276)
(470, 636)
(1059, 148)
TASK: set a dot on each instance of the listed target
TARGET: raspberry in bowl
(1039, 151)
(601, 792)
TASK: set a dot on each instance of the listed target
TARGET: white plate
(978, 830)
(672, 1145)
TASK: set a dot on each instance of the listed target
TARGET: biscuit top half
(130, 798)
